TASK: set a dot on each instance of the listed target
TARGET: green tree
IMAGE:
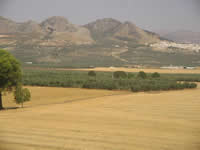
(92, 74)
(119, 74)
(10, 73)
(131, 75)
(142, 75)
(21, 95)
(155, 75)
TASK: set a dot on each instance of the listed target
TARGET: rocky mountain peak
(29, 26)
(103, 25)
(7, 25)
(58, 24)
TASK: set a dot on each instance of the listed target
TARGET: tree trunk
(1, 103)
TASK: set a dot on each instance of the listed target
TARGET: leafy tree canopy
(92, 73)
(120, 74)
(142, 75)
(10, 73)
(155, 75)
(22, 95)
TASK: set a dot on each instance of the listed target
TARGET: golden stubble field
(102, 120)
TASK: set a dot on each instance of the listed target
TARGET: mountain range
(104, 42)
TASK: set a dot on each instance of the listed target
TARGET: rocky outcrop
(126, 31)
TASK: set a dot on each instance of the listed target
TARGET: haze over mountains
(104, 42)
(183, 36)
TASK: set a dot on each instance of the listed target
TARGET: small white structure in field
(190, 68)
(172, 67)
(29, 63)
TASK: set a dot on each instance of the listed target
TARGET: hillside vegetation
(105, 42)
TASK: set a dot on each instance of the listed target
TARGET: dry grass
(51, 95)
(142, 121)
(148, 70)
(191, 71)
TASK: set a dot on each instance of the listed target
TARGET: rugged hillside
(55, 31)
(103, 28)
(29, 27)
(115, 30)
(105, 42)
(7, 26)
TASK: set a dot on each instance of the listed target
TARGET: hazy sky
(148, 14)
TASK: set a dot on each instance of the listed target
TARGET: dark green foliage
(131, 75)
(119, 74)
(21, 95)
(100, 84)
(184, 77)
(142, 75)
(91, 74)
(10, 73)
(160, 85)
(103, 80)
(155, 75)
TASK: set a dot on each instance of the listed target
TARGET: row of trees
(11, 78)
(103, 80)
(124, 75)
(137, 85)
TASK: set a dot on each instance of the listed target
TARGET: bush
(131, 75)
(92, 74)
(105, 84)
(155, 75)
(21, 95)
(142, 75)
(157, 85)
(136, 88)
(119, 74)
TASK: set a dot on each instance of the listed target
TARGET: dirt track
(126, 121)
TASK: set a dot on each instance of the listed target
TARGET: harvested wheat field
(54, 95)
(94, 121)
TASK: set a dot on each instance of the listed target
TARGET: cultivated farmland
(60, 119)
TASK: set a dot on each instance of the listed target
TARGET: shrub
(105, 84)
(155, 75)
(92, 74)
(131, 75)
(119, 74)
(142, 75)
(136, 88)
(21, 95)
(90, 84)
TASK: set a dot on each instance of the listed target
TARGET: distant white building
(190, 68)
(172, 67)
(166, 44)
(177, 67)
(29, 63)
